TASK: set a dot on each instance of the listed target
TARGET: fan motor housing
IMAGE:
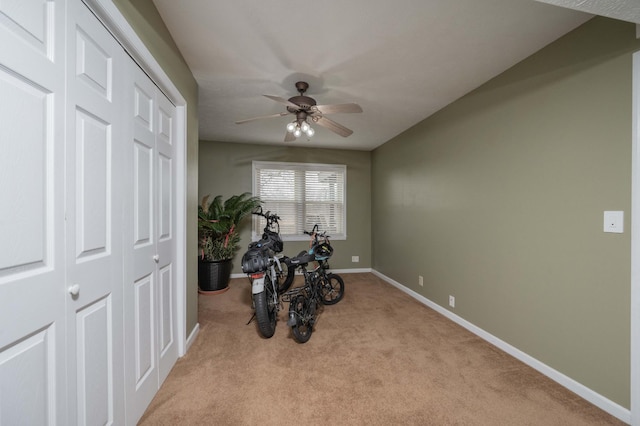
(304, 102)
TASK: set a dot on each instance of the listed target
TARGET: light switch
(614, 222)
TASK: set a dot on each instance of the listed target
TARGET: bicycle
(320, 287)
(269, 274)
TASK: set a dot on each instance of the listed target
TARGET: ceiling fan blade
(288, 137)
(337, 108)
(280, 114)
(333, 126)
(282, 101)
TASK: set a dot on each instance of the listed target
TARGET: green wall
(225, 169)
(146, 21)
(498, 200)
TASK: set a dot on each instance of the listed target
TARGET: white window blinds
(302, 194)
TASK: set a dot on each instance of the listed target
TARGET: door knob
(74, 290)
(156, 258)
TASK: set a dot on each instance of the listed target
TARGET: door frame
(120, 28)
(635, 243)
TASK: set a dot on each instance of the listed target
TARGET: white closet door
(165, 229)
(150, 275)
(32, 291)
(95, 147)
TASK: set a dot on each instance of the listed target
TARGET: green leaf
(219, 221)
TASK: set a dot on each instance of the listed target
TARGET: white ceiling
(401, 61)
(625, 10)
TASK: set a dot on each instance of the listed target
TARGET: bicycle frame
(310, 290)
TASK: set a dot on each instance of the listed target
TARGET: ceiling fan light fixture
(300, 127)
(305, 108)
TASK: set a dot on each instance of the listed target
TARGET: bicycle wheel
(331, 289)
(266, 310)
(286, 276)
(302, 329)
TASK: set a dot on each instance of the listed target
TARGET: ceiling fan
(305, 107)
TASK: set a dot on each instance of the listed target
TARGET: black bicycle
(320, 287)
(269, 273)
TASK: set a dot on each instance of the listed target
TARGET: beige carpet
(378, 357)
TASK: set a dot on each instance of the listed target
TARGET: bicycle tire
(331, 289)
(302, 329)
(265, 311)
(286, 276)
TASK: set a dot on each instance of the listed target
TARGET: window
(302, 194)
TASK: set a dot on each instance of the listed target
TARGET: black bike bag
(255, 261)
(270, 240)
(274, 241)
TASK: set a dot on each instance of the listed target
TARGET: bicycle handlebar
(270, 217)
(314, 232)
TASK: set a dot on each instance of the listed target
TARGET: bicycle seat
(302, 259)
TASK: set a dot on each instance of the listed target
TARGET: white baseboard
(192, 337)
(351, 271)
(595, 398)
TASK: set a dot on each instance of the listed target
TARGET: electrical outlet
(420, 281)
(614, 222)
(355, 259)
(452, 301)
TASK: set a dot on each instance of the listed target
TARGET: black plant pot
(214, 275)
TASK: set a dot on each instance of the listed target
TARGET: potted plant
(219, 238)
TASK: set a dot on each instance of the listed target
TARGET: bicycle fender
(257, 286)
